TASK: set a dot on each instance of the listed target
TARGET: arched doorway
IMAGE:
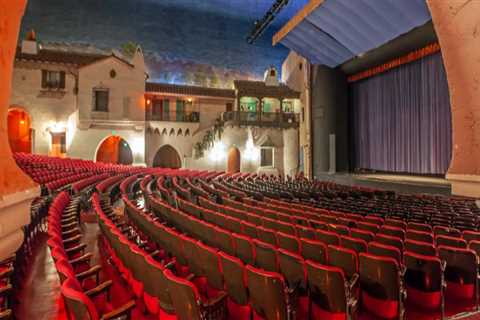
(233, 162)
(114, 150)
(19, 130)
(167, 157)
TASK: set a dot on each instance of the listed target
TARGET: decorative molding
(408, 58)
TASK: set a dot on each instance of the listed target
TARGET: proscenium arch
(19, 128)
(114, 149)
(167, 157)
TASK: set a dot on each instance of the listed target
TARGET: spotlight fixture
(259, 26)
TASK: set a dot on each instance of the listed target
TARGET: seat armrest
(93, 271)
(85, 258)
(5, 289)
(6, 314)
(78, 248)
(69, 225)
(72, 240)
(102, 288)
(73, 231)
(120, 311)
(6, 273)
(212, 302)
(154, 253)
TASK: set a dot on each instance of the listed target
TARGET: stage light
(218, 152)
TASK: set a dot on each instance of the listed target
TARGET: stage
(394, 182)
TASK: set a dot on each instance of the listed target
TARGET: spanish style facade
(78, 101)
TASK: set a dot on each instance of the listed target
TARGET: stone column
(16, 189)
(457, 23)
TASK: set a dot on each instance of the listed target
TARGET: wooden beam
(299, 17)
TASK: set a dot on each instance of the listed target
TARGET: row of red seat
(360, 245)
(84, 296)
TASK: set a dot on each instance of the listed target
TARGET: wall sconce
(57, 128)
(149, 102)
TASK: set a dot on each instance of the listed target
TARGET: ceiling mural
(200, 42)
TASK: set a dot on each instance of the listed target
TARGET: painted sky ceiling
(185, 41)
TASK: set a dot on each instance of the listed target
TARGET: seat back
(326, 285)
(224, 241)
(265, 256)
(423, 274)
(244, 248)
(419, 227)
(288, 242)
(267, 294)
(156, 284)
(422, 248)
(419, 236)
(328, 237)
(210, 264)
(314, 250)
(184, 297)
(292, 267)
(460, 272)
(451, 242)
(362, 234)
(357, 245)
(267, 235)
(343, 258)
(380, 285)
(383, 250)
(390, 241)
(235, 277)
(77, 304)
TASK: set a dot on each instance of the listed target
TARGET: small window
(53, 79)
(273, 73)
(300, 66)
(266, 157)
(100, 97)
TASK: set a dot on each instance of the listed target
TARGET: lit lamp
(217, 153)
(251, 153)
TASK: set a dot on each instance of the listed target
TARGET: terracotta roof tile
(152, 87)
(260, 89)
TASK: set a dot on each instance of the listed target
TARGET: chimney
(271, 77)
(30, 45)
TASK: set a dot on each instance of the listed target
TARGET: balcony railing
(265, 119)
(175, 117)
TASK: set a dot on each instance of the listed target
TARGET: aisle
(39, 296)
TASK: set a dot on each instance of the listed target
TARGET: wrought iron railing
(175, 116)
(264, 119)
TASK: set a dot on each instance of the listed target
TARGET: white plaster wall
(86, 142)
(45, 108)
(298, 79)
(129, 83)
(238, 137)
(290, 151)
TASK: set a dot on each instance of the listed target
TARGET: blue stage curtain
(402, 119)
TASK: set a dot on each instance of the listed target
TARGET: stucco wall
(86, 142)
(46, 108)
(127, 87)
(295, 73)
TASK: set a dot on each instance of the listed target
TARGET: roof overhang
(331, 32)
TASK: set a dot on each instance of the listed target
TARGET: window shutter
(62, 80)
(44, 78)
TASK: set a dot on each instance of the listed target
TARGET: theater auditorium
(244, 160)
